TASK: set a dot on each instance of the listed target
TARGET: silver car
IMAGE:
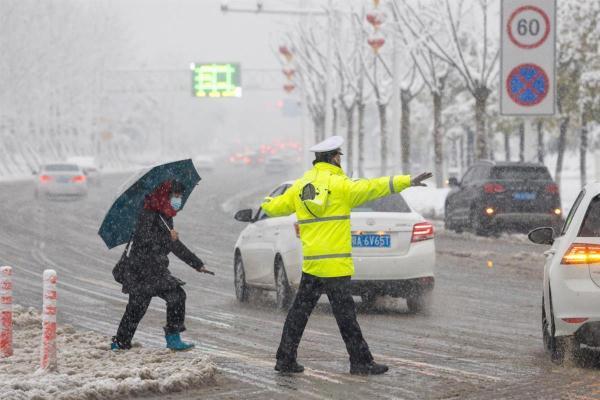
(61, 180)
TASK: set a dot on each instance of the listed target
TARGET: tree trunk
(382, 110)
(438, 145)
(583, 147)
(334, 120)
(461, 149)
(522, 141)
(562, 144)
(361, 139)
(319, 126)
(470, 146)
(405, 131)
(491, 145)
(350, 138)
(507, 146)
(540, 141)
(481, 97)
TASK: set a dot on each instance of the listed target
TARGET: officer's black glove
(418, 180)
(204, 270)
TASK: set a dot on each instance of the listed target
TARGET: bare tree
(577, 52)
(473, 53)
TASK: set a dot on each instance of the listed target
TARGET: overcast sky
(172, 34)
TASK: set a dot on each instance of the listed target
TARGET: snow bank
(88, 369)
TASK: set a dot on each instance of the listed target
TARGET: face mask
(176, 203)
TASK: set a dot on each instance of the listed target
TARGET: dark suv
(495, 196)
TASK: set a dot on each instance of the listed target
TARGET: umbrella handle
(165, 222)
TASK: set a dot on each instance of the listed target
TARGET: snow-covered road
(481, 340)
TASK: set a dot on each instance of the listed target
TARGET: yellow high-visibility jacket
(325, 228)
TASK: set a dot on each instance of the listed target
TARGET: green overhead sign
(217, 80)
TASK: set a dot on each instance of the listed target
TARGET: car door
(474, 191)
(559, 247)
(458, 202)
(258, 253)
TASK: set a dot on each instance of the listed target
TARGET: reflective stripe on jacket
(326, 231)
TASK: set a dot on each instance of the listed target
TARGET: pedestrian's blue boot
(116, 345)
(175, 343)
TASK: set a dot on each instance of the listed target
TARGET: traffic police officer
(322, 200)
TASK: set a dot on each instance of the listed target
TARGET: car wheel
(448, 225)
(369, 299)
(419, 303)
(548, 339)
(283, 289)
(239, 278)
(477, 226)
(561, 349)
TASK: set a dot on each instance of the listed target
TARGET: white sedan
(60, 180)
(393, 250)
(571, 291)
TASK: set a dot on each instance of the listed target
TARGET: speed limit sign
(528, 57)
(528, 27)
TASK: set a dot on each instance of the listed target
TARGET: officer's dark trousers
(344, 310)
(136, 309)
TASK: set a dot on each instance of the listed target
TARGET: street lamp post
(329, 72)
(260, 9)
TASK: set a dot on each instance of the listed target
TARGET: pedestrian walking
(322, 201)
(145, 268)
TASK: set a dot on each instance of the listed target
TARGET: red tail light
(582, 253)
(422, 231)
(78, 179)
(575, 320)
(552, 188)
(297, 229)
(45, 178)
(493, 188)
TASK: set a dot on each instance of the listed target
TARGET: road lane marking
(424, 366)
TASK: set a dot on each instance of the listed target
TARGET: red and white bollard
(48, 360)
(6, 348)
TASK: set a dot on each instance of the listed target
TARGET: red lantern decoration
(289, 73)
(376, 43)
(284, 51)
(376, 19)
(289, 87)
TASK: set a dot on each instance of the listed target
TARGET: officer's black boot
(371, 368)
(289, 367)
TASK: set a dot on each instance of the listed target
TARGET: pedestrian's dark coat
(151, 244)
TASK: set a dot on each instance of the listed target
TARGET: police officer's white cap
(329, 144)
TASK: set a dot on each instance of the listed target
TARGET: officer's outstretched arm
(280, 206)
(364, 190)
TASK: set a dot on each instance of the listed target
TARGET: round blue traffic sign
(527, 84)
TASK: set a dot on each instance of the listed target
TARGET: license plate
(371, 241)
(524, 196)
(63, 179)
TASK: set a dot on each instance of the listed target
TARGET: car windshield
(393, 203)
(61, 168)
(521, 173)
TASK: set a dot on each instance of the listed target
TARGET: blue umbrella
(120, 220)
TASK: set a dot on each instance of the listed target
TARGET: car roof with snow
(509, 163)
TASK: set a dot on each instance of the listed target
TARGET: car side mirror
(244, 215)
(453, 182)
(543, 235)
